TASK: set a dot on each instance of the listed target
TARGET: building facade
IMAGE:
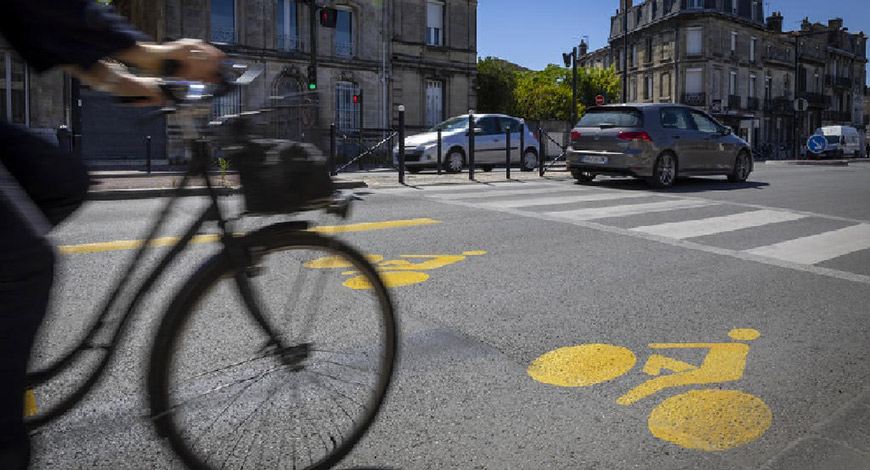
(380, 54)
(726, 57)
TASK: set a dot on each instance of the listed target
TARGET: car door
(488, 141)
(512, 124)
(711, 153)
(680, 133)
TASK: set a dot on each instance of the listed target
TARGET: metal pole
(795, 125)
(624, 61)
(507, 153)
(542, 148)
(361, 126)
(148, 154)
(332, 149)
(522, 148)
(438, 157)
(471, 145)
(401, 144)
(574, 87)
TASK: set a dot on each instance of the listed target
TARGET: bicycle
(236, 378)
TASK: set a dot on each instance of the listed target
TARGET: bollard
(148, 154)
(542, 149)
(401, 144)
(438, 157)
(522, 142)
(470, 144)
(507, 153)
(63, 139)
(332, 149)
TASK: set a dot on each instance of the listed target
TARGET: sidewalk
(120, 185)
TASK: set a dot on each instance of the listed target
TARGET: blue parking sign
(817, 144)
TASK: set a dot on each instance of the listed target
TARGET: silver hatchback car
(658, 142)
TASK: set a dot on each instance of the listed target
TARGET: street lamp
(797, 126)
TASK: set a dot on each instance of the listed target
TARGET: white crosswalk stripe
(548, 201)
(631, 209)
(818, 248)
(502, 192)
(714, 225)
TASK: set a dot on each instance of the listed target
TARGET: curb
(132, 194)
(808, 162)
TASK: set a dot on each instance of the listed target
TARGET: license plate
(593, 159)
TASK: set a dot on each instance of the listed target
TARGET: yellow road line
(169, 241)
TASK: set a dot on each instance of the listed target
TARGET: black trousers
(57, 183)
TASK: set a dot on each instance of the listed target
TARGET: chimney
(774, 22)
(835, 24)
(584, 48)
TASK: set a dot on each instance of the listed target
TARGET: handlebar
(178, 92)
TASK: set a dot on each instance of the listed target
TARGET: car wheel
(454, 161)
(582, 176)
(529, 161)
(486, 168)
(742, 168)
(664, 171)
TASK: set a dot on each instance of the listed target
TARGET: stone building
(726, 57)
(380, 54)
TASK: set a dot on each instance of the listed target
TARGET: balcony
(695, 99)
(734, 102)
(779, 105)
(837, 116)
(817, 100)
(779, 56)
(344, 49)
(753, 103)
(839, 82)
(289, 43)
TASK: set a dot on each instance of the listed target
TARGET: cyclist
(40, 186)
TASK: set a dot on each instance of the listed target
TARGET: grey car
(658, 142)
(490, 141)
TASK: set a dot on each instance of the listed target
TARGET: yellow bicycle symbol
(711, 419)
(395, 272)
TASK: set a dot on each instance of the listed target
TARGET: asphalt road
(601, 326)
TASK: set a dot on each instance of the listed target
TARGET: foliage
(496, 84)
(546, 95)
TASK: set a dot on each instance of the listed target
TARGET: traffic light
(566, 57)
(355, 99)
(328, 17)
(312, 77)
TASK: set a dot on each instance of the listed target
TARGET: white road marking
(632, 209)
(545, 201)
(817, 248)
(714, 225)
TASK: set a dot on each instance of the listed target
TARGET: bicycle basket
(282, 176)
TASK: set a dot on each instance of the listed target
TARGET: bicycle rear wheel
(226, 396)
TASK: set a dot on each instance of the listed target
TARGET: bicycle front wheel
(296, 388)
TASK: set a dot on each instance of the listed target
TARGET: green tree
(592, 81)
(545, 95)
(496, 85)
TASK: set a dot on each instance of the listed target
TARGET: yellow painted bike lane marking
(708, 420)
(171, 241)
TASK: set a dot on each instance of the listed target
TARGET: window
(733, 42)
(649, 50)
(732, 84)
(14, 90)
(223, 21)
(227, 105)
(694, 82)
(632, 90)
(752, 49)
(647, 90)
(615, 117)
(767, 82)
(665, 85)
(694, 39)
(435, 23)
(666, 48)
(434, 102)
(704, 123)
(696, 4)
(633, 55)
(344, 33)
(752, 84)
(346, 117)
(288, 30)
(489, 125)
(786, 88)
(818, 83)
(675, 118)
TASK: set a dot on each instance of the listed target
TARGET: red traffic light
(328, 17)
(356, 99)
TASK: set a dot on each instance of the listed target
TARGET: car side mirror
(726, 130)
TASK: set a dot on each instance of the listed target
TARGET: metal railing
(290, 43)
(753, 103)
(353, 147)
(695, 99)
(837, 116)
(223, 35)
(734, 102)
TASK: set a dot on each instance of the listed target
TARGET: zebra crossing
(687, 221)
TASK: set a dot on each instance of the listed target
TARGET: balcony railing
(344, 49)
(733, 101)
(818, 100)
(223, 35)
(695, 99)
(840, 82)
(837, 116)
(753, 103)
(289, 43)
(779, 105)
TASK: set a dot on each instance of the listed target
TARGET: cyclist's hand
(195, 59)
(138, 91)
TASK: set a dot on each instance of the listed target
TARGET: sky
(535, 33)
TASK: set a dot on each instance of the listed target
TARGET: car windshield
(610, 117)
(452, 124)
(832, 139)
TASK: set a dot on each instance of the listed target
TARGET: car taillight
(575, 134)
(642, 136)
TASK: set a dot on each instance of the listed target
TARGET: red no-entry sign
(599, 100)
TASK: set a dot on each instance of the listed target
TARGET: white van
(843, 141)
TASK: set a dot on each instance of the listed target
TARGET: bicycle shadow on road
(683, 185)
